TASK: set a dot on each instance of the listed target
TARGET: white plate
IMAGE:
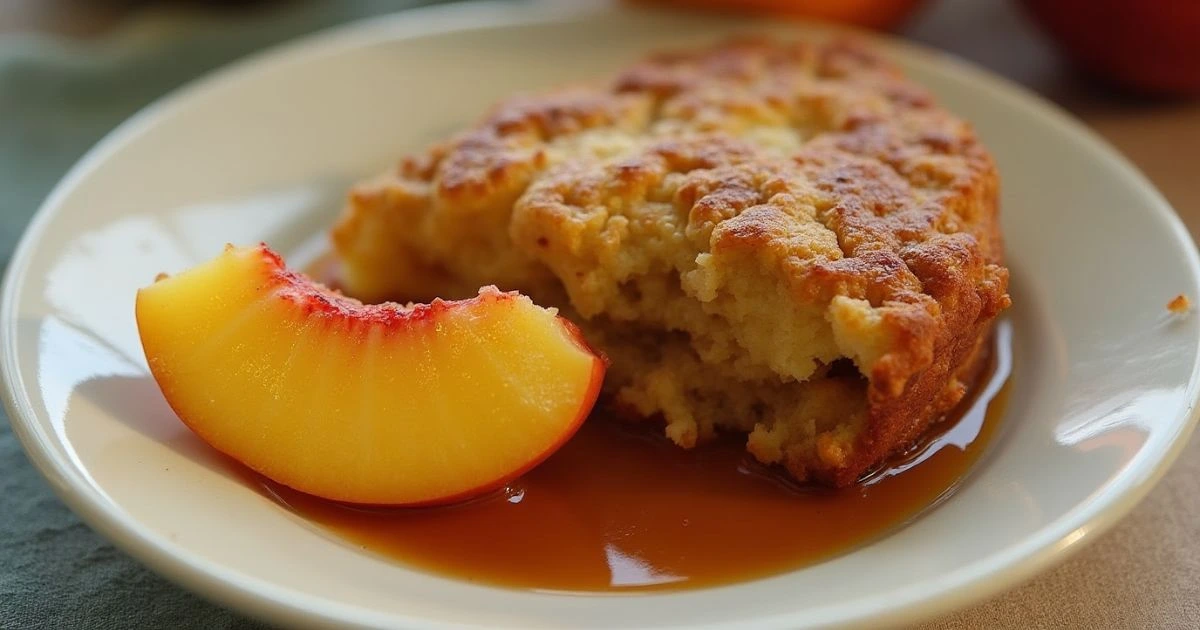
(1105, 380)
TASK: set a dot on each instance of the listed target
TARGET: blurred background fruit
(1146, 45)
(876, 14)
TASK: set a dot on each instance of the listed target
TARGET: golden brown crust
(812, 171)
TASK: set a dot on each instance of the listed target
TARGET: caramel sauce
(619, 508)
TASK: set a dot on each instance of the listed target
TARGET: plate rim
(971, 583)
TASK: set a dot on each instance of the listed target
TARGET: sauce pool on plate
(619, 508)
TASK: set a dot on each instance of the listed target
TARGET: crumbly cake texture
(789, 241)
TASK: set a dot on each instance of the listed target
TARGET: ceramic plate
(1104, 378)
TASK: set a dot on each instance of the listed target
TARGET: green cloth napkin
(56, 100)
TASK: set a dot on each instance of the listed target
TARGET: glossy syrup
(621, 509)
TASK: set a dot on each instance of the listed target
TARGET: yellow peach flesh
(377, 404)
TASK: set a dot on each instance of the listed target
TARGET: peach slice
(374, 404)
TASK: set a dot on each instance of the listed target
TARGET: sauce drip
(619, 508)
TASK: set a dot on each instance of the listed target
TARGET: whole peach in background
(876, 14)
(1147, 45)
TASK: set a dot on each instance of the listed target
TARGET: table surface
(1145, 573)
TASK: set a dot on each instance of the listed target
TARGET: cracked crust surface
(789, 240)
